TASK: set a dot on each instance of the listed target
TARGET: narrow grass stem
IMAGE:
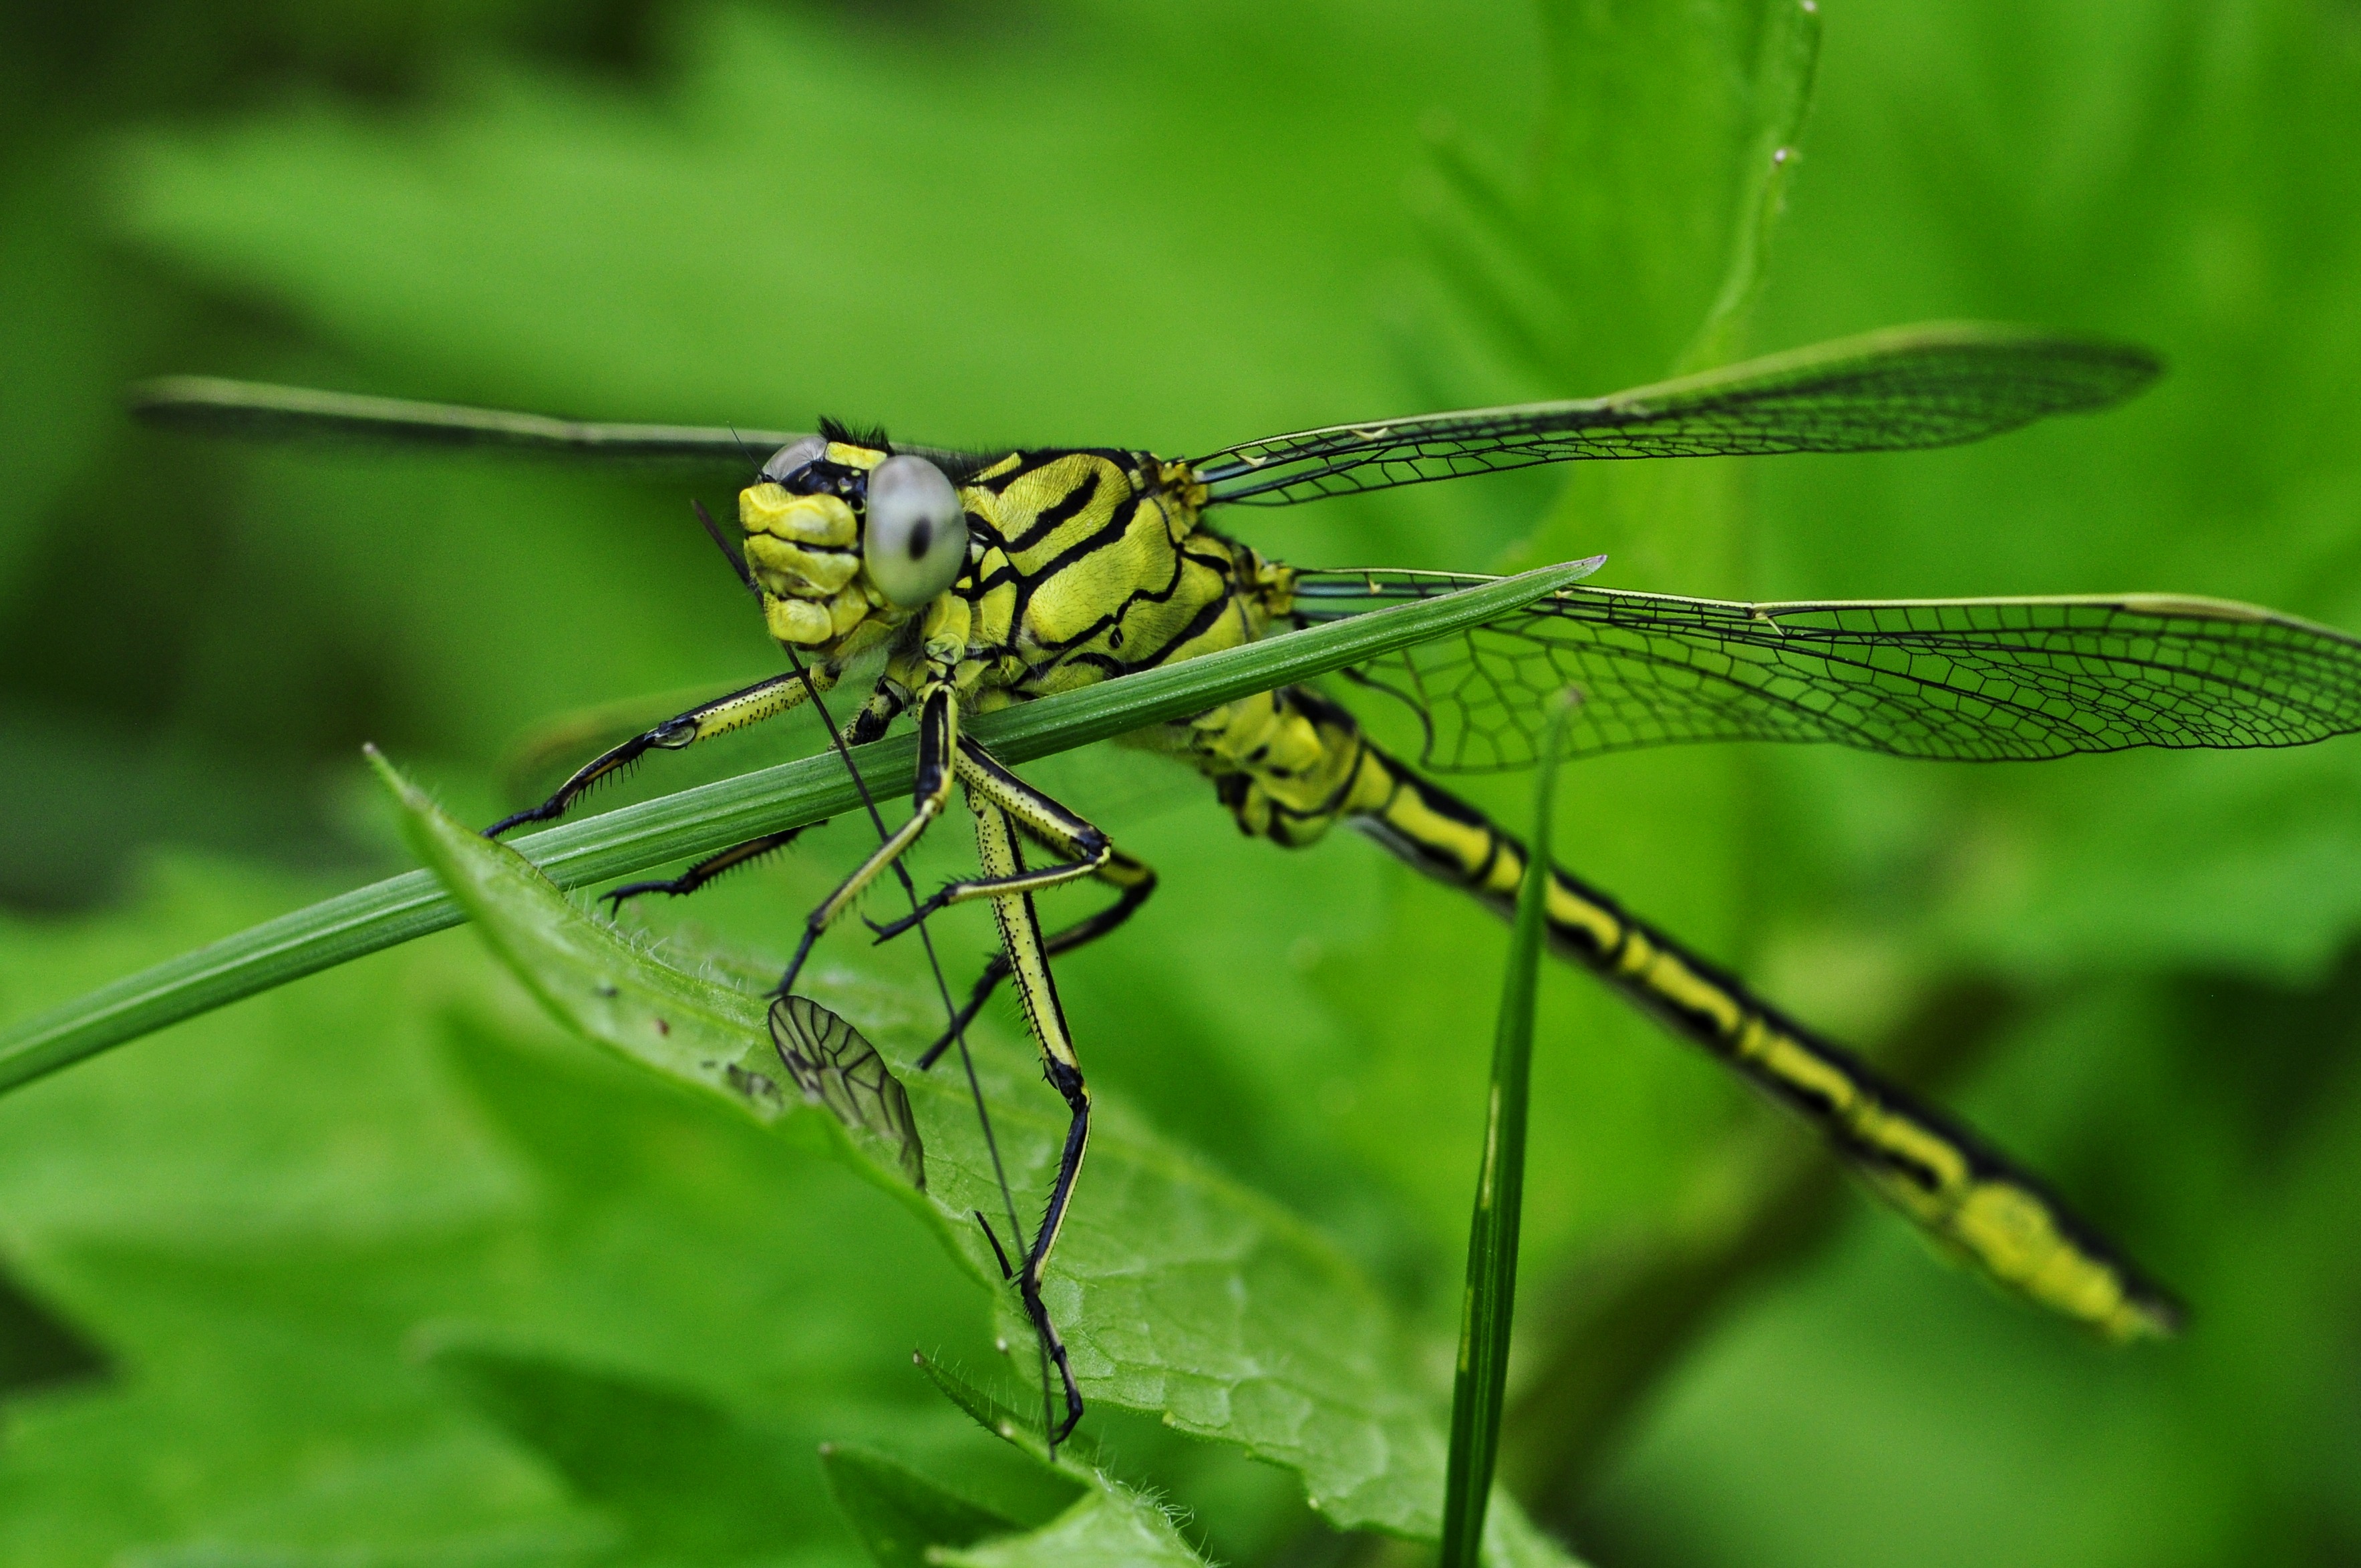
(713, 817)
(1480, 1391)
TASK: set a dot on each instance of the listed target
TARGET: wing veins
(1913, 386)
(2076, 676)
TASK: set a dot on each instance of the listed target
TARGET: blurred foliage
(350, 1271)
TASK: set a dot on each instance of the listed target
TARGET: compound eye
(917, 539)
(793, 458)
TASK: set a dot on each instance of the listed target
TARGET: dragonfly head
(843, 533)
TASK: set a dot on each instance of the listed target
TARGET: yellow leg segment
(1029, 961)
(1087, 851)
(1134, 881)
(937, 739)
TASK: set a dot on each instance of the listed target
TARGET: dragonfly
(971, 580)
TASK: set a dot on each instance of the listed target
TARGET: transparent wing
(1910, 387)
(837, 1067)
(1961, 680)
(210, 406)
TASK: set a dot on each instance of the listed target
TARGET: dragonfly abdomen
(1968, 1199)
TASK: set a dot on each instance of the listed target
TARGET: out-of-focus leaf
(682, 1480)
(1787, 58)
(900, 1515)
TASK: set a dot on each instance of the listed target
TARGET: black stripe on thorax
(1208, 616)
(1111, 531)
(1062, 511)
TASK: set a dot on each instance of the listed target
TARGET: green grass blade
(713, 817)
(1479, 1391)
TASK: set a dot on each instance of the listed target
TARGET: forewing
(1960, 680)
(1911, 387)
(837, 1067)
(253, 410)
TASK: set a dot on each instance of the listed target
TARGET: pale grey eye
(917, 538)
(795, 456)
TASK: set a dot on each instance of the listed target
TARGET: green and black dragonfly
(972, 580)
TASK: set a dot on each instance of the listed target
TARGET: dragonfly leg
(885, 704)
(763, 699)
(1085, 849)
(938, 743)
(1028, 959)
(712, 866)
(1134, 881)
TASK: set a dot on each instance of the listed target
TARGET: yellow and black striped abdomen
(1968, 1197)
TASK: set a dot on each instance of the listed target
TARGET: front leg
(763, 699)
(937, 742)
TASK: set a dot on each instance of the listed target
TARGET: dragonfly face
(845, 541)
(1038, 571)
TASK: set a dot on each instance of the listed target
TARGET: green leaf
(1788, 59)
(1112, 1528)
(995, 1415)
(1108, 1521)
(589, 975)
(699, 821)
(1177, 1292)
(682, 1480)
(1480, 1389)
(899, 1513)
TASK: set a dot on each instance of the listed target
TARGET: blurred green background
(238, 1254)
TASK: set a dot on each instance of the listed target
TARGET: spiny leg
(763, 699)
(712, 866)
(1029, 961)
(938, 743)
(884, 705)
